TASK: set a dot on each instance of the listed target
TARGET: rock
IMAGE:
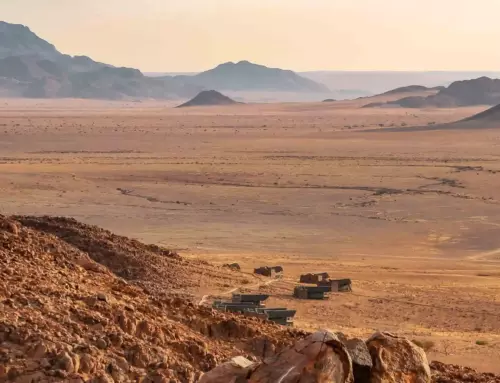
(38, 351)
(102, 297)
(263, 347)
(31, 378)
(61, 374)
(320, 357)
(102, 344)
(12, 374)
(87, 364)
(235, 371)
(341, 337)
(361, 360)
(116, 372)
(138, 356)
(65, 362)
(122, 363)
(9, 227)
(3, 372)
(396, 359)
(103, 378)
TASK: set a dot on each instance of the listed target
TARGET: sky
(195, 35)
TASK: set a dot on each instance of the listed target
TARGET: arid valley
(411, 216)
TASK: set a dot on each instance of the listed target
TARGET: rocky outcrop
(320, 357)
(64, 316)
(397, 359)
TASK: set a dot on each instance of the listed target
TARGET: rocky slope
(80, 304)
(66, 317)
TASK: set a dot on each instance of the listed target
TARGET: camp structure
(252, 305)
(255, 299)
(310, 292)
(280, 315)
(337, 285)
(313, 278)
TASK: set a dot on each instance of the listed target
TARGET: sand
(411, 217)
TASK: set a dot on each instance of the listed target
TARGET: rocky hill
(246, 76)
(32, 67)
(208, 98)
(480, 91)
(78, 303)
(81, 304)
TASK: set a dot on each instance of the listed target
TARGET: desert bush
(481, 342)
(426, 345)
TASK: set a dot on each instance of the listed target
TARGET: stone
(87, 364)
(321, 357)
(65, 362)
(38, 351)
(103, 378)
(12, 374)
(122, 363)
(397, 359)
(102, 297)
(361, 360)
(31, 378)
(234, 371)
(102, 344)
(4, 370)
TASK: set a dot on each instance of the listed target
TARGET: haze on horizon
(195, 35)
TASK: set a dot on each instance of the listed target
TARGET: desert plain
(413, 218)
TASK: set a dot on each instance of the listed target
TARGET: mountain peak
(19, 40)
(247, 76)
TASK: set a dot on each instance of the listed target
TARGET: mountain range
(32, 67)
(479, 91)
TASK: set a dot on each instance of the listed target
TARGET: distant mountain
(368, 83)
(32, 67)
(209, 98)
(411, 89)
(480, 91)
(18, 40)
(246, 76)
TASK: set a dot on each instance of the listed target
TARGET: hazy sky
(193, 35)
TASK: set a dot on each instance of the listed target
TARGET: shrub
(426, 345)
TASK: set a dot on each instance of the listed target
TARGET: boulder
(320, 357)
(397, 360)
(361, 360)
(236, 370)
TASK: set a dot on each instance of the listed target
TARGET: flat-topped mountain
(246, 76)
